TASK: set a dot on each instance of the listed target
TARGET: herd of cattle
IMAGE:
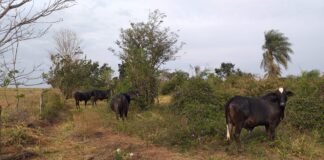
(119, 103)
(240, 112)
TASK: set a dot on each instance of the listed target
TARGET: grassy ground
(94, 133)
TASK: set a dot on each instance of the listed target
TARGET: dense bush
(201, 101)
(202, 109)
(176, 81)
(306, 114)
(195, 90)
(52, 104)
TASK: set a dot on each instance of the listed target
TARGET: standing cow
(81, 96)
(120, 103)
(249, 112)
(99, 95)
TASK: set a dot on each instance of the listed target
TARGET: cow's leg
(126, 112)
(115, 109)
(121, 113)
(232, 129)
(238, 128)
(77, 104)
(85, 103)
(229, 131)
(92, 102)
(272, 129)
(267, 130)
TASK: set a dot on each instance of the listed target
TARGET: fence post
(41, 102)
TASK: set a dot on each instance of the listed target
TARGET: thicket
(201, 101)
(53, 105)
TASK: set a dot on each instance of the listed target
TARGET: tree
(67, 43)
(69, 72)
(145, 46)
(20, 20)
(227, 69)
(276, 53)
(69, 75)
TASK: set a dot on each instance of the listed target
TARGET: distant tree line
(143, 48)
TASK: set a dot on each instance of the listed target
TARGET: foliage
(53, 105)
(69, 75)
(145, 46)
(227, 69)
(307, 114)
(69, 72)
(19, 135)
(307, 106)
(196, 90)
(174, 82)
(276, 53)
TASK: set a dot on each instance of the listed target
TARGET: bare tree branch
(17, 24)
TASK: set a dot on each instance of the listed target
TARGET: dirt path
(66, 141)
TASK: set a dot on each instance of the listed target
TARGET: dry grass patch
(87, 124)
(163, 99)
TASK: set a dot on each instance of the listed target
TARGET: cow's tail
(228, 121)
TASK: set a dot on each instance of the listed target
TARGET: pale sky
(214, 31)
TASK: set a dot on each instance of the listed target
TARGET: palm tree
(276, 53)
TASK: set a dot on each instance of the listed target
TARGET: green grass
(160, 126)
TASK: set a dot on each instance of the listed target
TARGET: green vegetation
(145, 46)
(53, 105)
(69, 72)
(195, 117)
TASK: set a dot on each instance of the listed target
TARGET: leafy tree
(227, 69)
(276, 53)
(69, 72)
(145, 46)
(69, 75)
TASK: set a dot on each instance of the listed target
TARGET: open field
(94, 133)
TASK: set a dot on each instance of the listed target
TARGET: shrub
(306, 113)
(202, 110)
(53, 104)
(204, 120)
(197, 91)
(19, 135)
(177, 80)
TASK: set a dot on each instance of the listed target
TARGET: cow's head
(280, 96)
(283, 94)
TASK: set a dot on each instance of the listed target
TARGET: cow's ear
(289, 93)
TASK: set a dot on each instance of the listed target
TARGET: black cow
(120, 103)
(249, 112)
(81, 96)
(99, 95)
